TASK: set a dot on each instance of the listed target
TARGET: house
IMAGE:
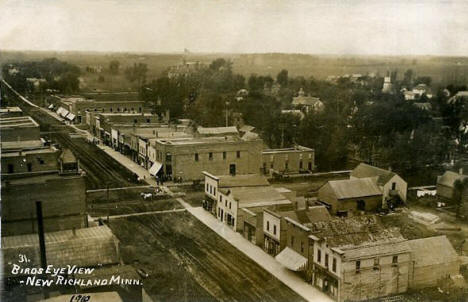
(434, 259)
(288, 160)
(228, 196)
(389, 182)
(446, 183)
(387, 85)
(423, 106)
(307, 104)
(357, 259)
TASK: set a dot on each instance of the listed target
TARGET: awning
(292, 260)
(70, 116)
(155, 168)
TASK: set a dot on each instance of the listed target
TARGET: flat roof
(17, 122)
(200, 140)
(23, 145)
(287, 150)
(10, 109)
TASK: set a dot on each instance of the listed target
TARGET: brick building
(288, 160)
(33, 171)
(186, 158)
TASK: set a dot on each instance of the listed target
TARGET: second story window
(302, 247)
(334, 265)
(326, 260)
(224, 155)
(268, 226)
(220, 198)
(395, 259)
(274, 230)
(210, 156)
(238, 154)
(319, 256)
(358, 266)
(292, 241)
(196, 156)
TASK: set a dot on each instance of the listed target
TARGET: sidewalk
(255, 253)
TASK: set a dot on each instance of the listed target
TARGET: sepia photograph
(234, 150)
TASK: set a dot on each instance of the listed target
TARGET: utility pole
(42, 247)
(227, 114)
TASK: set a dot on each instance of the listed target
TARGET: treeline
(358, 120)
(39, 76)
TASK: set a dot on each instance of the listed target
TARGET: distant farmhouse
(307, 104)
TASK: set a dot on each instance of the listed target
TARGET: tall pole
(42, 247)
(227, 119)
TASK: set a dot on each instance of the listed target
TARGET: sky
(385, 27)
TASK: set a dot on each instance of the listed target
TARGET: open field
(186, 260)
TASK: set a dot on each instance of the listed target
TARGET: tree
(282, 78)
(137, 73)
(114, 66)
(460, 186)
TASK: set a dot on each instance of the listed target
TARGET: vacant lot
(188, 262)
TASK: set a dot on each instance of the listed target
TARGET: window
(393, 185)
(214, 191)
(196, 156)
(229, 205)
(292, 240)
(135, 121)
(326, 260)
(220, 198)
(358, 266)
(301, 164)
(11, 168)
(238, 154)
(302, 247)
(29, 165)
(148, 120)
(310, 166)
(268, 226)
(334, 265)
(286, 164)
(210, 156)
(395, 259)
(376, 263)
(224, 155)
(274, 230)
(319, 256)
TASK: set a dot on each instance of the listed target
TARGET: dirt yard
(186, 261)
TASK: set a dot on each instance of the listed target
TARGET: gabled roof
(353, 188)
(448, 178)
(364, 170)
(432, 251)
(307, 101)
(308, 216)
